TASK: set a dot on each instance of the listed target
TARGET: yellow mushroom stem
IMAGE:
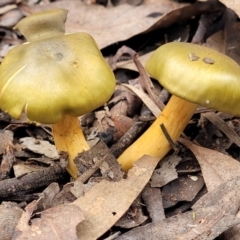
(153, 142)
(68, 137)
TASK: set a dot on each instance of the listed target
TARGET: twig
(32, 180)
(86, 175)
(146, 83)
(169, 139)
(127, 139)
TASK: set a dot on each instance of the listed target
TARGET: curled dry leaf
(124, 102)
(144, 97)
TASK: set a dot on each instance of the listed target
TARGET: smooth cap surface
(44, 24)
(50, 77)
(197, 74)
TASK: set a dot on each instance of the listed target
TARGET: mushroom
(55, 77)
(194, 75)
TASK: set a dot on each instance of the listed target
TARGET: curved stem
(68, 137)
(153, 142)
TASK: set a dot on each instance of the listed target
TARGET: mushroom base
(153, 142)
(68, 137)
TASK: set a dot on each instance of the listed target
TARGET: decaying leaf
(40, 147)
(211, 215)
(10, 214)
(133, 217)
(47, 196)
(152, 198)
(131, 65)
(216, 167)
(55, 223)
(6, 137)
(181, 189)
(144, 97)
(21, 168)
(117, 24)
(107, 201)
(221, 124)
(233, 4)
(7, 161)
(11, 18)
(166, 173)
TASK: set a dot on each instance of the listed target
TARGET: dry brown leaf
(111, 25)
(233, 4)
(131, 65)
(6, 137)
(134, 217)
(46, 197)
(152, 198)
(232, 37)
(216, 41)
(7, 8)
(166, 173)
(39, 146)
(221, 125)
(55, 223)
(211, 215)
(181, 189)
(217, 167)
(11, 18)
(7, 161)
(10, 214)
(144, 97)
(106, 202)
(20, 168)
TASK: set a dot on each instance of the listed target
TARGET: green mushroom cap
(197, 74)
(54, 73)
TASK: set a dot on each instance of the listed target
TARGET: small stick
(33, 180)
(85, 176)
(169, 139)
(127, 139)
(146, 83)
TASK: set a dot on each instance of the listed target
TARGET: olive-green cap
(197, 74)
(53, 74)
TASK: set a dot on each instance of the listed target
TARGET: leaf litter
(102, 194)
